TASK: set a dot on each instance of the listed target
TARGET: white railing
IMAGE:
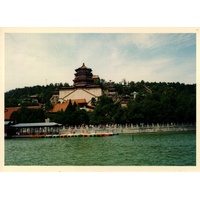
(130, 128)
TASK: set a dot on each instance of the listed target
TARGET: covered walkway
(35, 129)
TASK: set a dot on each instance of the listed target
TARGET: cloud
(31, 58)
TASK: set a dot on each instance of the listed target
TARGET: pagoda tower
(86, 88)
(83, 77)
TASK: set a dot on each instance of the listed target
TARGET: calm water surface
(148, 149)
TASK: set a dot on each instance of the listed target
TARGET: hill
(30, 96)
(124, 102)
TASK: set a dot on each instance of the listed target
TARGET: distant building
(85, 87)
(81, 103)
(125, 100)
(110, 91)
(7, 128)
(34, 98)
(55, 97)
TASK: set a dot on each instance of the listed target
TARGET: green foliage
(72, 116)
(21, 96)
(168, 103)
(106, 111)
(154, 103)
(93, 101)
(27, 115)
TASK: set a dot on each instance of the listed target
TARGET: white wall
(86, 94)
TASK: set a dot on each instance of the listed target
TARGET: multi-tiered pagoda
(83, 77)
(85, 89)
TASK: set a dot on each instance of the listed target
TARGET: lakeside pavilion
(41, 128)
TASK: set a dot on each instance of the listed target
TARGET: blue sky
(36, 58)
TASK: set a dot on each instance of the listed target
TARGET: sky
(43, 58)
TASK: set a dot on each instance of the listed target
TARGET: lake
(143, 149)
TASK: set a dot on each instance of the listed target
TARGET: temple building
(83, 77)
(85, 87)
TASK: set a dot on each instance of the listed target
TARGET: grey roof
(7, 122)
(40, 124)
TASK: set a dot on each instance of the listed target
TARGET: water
(149, 149)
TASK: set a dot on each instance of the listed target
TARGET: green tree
(27, 115)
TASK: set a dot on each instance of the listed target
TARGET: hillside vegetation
(147, 102)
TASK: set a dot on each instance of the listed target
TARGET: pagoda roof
(83, 67)
(39, 124)
(95, 77)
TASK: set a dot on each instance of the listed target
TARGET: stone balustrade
(130, 128)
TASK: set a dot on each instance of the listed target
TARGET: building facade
(85, 87)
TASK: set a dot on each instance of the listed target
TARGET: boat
(52, 136)
(63, 135)
(88, 134)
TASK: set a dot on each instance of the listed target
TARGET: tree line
(21, 96)
(153, 103)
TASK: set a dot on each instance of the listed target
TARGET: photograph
(94, 97)
(99, 100)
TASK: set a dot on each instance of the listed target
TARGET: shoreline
(157, 130)
(138, 129)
